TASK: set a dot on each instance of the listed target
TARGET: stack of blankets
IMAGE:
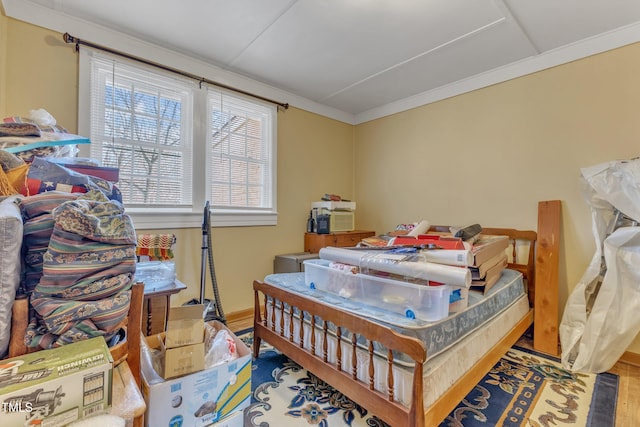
(80, 259)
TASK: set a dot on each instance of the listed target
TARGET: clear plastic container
(156, 274)
(428, 303)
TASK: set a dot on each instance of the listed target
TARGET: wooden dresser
(313, 242)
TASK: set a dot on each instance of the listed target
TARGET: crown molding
(562, 55)
(36, 14)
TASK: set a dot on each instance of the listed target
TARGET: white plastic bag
(220, 347)
(599, 323)
(101, 420)
(42, 117)
(150, 363)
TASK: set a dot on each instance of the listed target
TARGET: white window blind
(141, 124)
(178, 143)
(241, 153)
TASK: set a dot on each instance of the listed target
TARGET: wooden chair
(127, 401)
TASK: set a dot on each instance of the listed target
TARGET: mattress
(439, 335)
(439, 372)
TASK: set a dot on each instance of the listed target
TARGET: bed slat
(301, 336)
(390, 379)
(339, 348)
(347, 382)
(354, 356)
(313, 335)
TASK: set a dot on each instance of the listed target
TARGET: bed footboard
(335, 374)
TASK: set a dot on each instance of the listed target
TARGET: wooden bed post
(545, 336)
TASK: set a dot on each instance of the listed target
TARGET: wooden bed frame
(541, 275)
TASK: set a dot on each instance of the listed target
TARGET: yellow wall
(315, 156)
(490, 155)
(41, 72)
(3, 61)
(487, 156)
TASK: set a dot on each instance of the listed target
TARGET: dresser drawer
(347, 240)
(314, 242)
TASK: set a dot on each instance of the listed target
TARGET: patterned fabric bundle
(38, 226)
(87, 273)
(42, 127)
(13, 172)
(45, 176)
(158, 247)
(37, 136)
(19, 129)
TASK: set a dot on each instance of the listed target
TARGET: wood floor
(628, 406)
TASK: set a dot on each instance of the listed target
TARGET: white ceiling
(359, 56)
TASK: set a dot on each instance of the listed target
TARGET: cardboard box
(490, 279)
(183, 360)
(442, 242)
(185, 326)
(56, 387)
(488, 246)
(459, 299)
(480, 272)
(201, 398)
(234, 420)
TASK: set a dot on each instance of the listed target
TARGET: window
(178, 144)
(240, 167)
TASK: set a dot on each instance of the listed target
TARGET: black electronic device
(323, 224)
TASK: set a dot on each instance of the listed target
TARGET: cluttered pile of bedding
(78, 244)
(87, 269)
(37, 155)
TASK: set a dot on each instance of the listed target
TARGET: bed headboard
(521, 251)
(536, 255)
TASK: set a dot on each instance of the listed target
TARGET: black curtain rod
(68, 38)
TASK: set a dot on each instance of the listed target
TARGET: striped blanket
(87, 271)
(37, 215)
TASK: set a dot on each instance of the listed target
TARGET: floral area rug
(523, 389)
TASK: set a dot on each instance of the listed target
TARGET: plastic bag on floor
(600, 319)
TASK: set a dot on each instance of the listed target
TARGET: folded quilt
(46, 176)
(61, 321)
(156, 246)
(19, 129)
(51, 126)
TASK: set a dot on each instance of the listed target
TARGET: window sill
(187, 219)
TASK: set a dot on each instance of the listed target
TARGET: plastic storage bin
(156, 274)
(429, 303)
(459, 299)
